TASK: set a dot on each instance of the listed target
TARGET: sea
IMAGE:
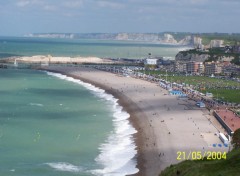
(52, 124)
(20, 46)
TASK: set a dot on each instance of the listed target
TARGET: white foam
(36, 104)
(66, 167)
(117, 153)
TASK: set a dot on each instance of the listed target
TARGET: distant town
(212, 53)
(215, 58)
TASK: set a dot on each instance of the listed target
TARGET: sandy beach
(54, 59)
(165, 124)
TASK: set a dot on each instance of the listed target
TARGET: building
(228, 119)
(193, 67)
(236, 49)
(180, 67)
(229, 69)
(197, 42)
(216, 43)
(212, 68)
(149, 62)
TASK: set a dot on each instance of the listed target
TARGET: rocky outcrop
(184, 56)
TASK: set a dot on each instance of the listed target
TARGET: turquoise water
(49, 126)
(54, 125)
(67, 47)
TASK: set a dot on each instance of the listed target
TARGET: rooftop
(230, 118)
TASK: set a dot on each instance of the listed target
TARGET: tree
(236, 139)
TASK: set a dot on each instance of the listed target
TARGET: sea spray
(117, 153)
(66, 167)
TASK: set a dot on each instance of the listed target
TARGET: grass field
(221, 89)
(228, 167)
(225, 94)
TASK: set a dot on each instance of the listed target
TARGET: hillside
(213, 54)
(229, 39)
(228, 167)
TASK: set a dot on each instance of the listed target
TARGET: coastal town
(120, 88)
(160, 103)
(198, 89)
(201, 61)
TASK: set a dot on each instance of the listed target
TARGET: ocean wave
(36, 104)
(117, 153)
(66, 167)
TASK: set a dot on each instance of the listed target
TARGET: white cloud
(23, 3)
(158, 14)
(109, 4)
(73, 4)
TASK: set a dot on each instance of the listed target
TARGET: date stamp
(198, 155)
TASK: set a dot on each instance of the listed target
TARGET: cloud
(38, 5)
(73, 4)
(196, 2)
(49, 7)
(126, 15)
(114, 5)
(23, 3)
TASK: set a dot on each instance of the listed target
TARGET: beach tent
(175, 92)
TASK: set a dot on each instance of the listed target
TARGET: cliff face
(191, 57)
(186, 41)
(168, 38)
(162, 38)
(200, 41)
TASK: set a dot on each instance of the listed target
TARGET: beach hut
(200, 104)
(183, 96)
(175, 92)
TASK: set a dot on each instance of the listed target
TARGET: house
(149, 62)
(212, 68)
(216, 43)
(195, 67)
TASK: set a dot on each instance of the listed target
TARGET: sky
(20, 17)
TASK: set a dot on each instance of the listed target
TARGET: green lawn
(221, 89)
(228, 167)
(225, 94)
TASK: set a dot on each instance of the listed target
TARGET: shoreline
(128, 106)
(154, 117)
(115, 103)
